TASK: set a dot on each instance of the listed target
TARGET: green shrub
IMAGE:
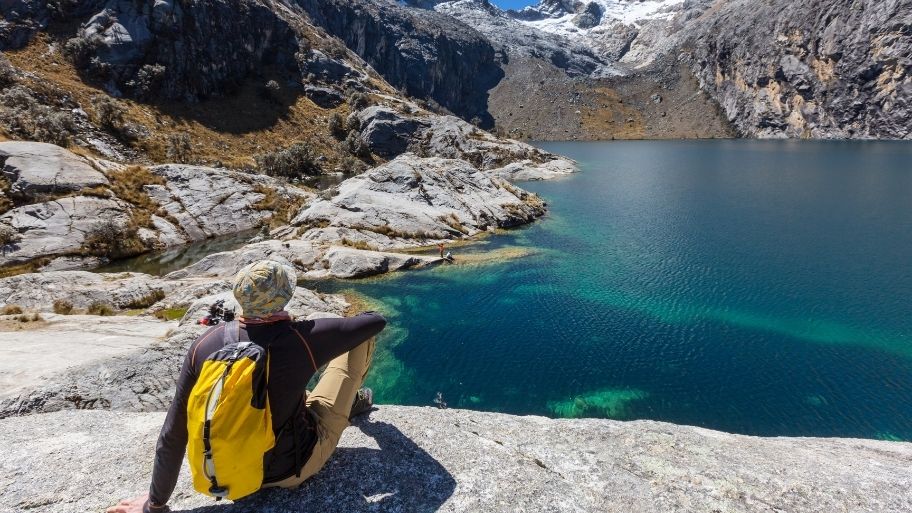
(358, 101)
(109, 113)
(8, 74)
(22, 114)
(337, 126)
(8, 234)
(293, 162)
(354, 146)
(111, 239)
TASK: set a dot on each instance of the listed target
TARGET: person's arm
(172, 442)
(331, 337)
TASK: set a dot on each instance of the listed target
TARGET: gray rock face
(20, 20)
(810, 69)
(390, 131)
(34, 168)
(57, 227)
(298, 254)
(424, 459)
(341, 262)
(413, 200)
(325, 97)
(34, 358)
(427, 54)
(205, 202)
(80, 288)
(386, 132)
(530, 171)
(186, 50)
(122, 367)
(208, 202)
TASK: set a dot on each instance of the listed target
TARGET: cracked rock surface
(424, 459)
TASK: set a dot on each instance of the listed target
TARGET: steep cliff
(426, 54)
(820, 69)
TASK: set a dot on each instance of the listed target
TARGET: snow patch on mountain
(626, 12)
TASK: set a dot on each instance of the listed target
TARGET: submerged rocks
(411, 201)
(426, 459)
(34, 168)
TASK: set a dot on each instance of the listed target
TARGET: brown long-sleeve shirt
(297, 350)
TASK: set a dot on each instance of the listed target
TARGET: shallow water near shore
(758, 287)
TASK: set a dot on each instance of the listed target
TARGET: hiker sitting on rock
(241, 410)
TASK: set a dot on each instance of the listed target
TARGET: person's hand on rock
(134, 505)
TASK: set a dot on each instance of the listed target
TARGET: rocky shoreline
(71, 212)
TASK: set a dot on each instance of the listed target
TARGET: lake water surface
(748, 286)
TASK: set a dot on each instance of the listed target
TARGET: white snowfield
(623, 11)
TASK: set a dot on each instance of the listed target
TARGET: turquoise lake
(748, 286)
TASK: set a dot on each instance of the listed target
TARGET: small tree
(337, 125)
(353, 145)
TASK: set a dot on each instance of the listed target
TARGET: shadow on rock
(399, 476)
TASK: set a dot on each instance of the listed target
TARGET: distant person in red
(441, 248)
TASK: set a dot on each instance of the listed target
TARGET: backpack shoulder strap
(232, 334)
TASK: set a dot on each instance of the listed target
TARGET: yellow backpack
(229, 424)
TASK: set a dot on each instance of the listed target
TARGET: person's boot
(364, 401)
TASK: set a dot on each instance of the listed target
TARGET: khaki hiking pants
(331, 402)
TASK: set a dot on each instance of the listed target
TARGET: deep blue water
(748, 286)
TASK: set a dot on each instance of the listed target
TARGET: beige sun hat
(263, 288)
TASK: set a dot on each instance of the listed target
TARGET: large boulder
(425, 459)
(386, 132)
(58, 227)
(411, 201)
(34, 169)
(526, 170)
(325, 97)
(342, 262)
(208, 202)
(39, 291)
(297, 254)
(390, 131)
